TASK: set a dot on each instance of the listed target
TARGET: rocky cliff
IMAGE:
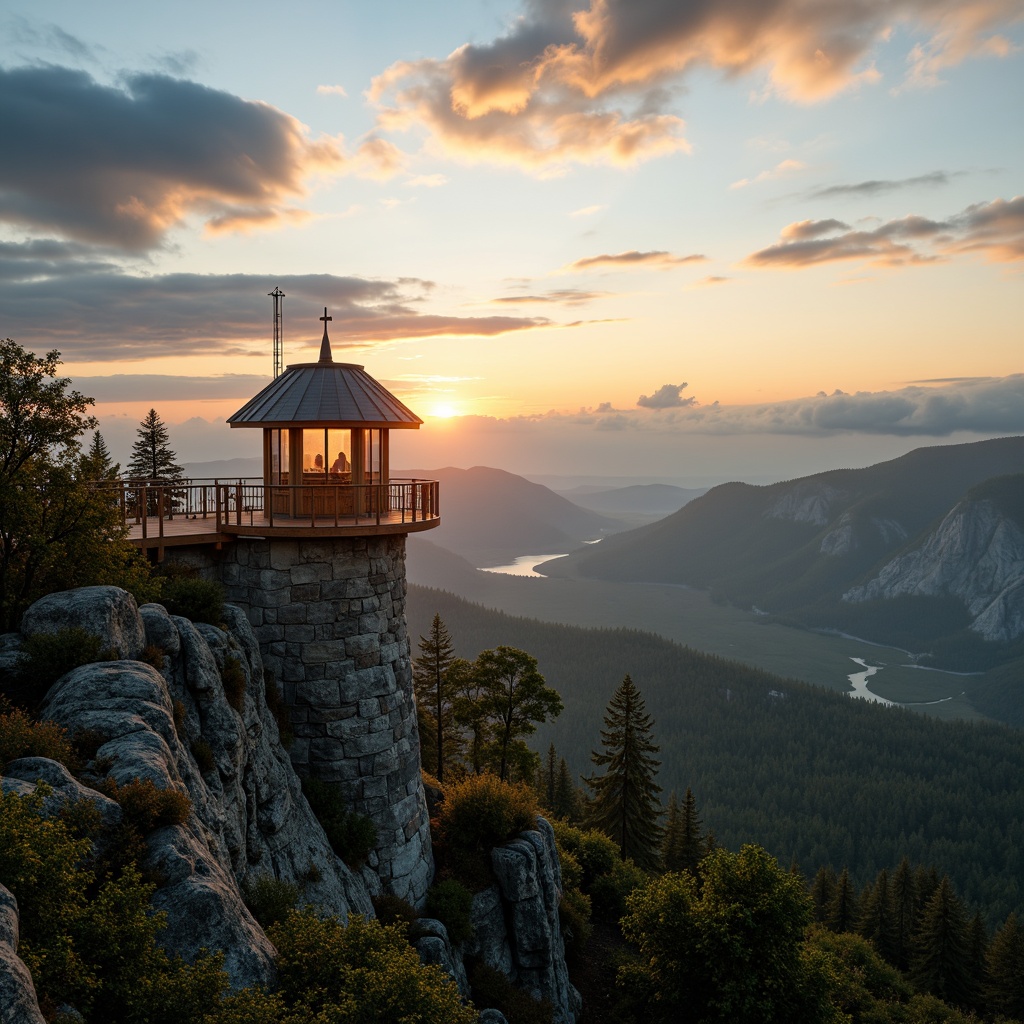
(976, 554)
(179, 727)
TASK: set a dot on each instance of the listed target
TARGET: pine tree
(941, 963)
(823, 888)
(841, 914)
(877, 922)
(99, 460)
(433, 691)
(547, 780)
(152, 457)
(683, 845)
(903, 893)
(567, 796)
(624, 802)
(1004, 990)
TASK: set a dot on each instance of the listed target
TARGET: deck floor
(183, 530)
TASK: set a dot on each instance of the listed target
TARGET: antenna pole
(277, 295)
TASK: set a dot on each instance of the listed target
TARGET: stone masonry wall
(330, 619)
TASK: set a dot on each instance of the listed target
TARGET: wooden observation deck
(167, 514)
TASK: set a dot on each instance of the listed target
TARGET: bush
(194, 598)
(145, 806)
(22, 737)
(392, 909)
(352, 835)
(153, 655)
(452, 903)
(363, 974)
(609, 892)
(269, 899)
(233, 678)
(48, 656)
(478, 814)
(491, 989)
(203, 753)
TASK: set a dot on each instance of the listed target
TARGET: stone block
(291, 614)
(310, 572)
(385, 763)
(320, 612)
(323, 651)
(372, 743)
(319, 693)
(274, 579)
(369, 708)
(306, 592)
(300, 634)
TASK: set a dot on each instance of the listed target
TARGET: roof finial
(325, 344)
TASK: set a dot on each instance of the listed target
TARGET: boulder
(18, 1003)
(109, 613)
(430, 939)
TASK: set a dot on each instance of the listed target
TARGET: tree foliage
(56, 531)
(434, 697)
(152, 456)
(625, 802)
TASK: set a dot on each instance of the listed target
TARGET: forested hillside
(809, 774)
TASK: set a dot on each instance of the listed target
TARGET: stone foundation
(330, 619)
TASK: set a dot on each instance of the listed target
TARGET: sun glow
(444, 411)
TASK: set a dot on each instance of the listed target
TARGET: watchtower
(315, 553)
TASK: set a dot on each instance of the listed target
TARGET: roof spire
(325, 344)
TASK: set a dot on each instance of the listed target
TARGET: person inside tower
(340, 464)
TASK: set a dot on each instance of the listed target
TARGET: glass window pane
(339, 450)
(313, 452)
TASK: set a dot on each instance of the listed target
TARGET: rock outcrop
(18, 1003)
(516, 925)
(180, 729)
(806, 501)
(977, 555)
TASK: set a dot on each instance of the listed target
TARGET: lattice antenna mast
(277, 295)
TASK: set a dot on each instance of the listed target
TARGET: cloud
(97, 313)
(331, 90)
(994, 229)
(570, 83)
(780, 170)
(668, 396)
(659, 259)
(123, 387)
(710, 281)
(122, 166)
(880, 187)
(566, 296)
(589, 211)
(426, 181)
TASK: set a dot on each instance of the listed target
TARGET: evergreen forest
(817, 779)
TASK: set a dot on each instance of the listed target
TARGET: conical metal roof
(324, 394)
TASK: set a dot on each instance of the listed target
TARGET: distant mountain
(489, 516)
(646, 499)
(224, 469)
(797, 548)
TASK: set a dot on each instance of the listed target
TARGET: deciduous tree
(625, 802)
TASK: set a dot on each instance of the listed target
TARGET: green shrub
(20, 736)
(233, 678)
(608, 892)
(452, 903)
(194, 598)
(352, 835)
(478, 814)
(203, 753)
(48, 656)
(361, 974)
(392, 909)
(145, 806)
(269, 899)
(491, 989)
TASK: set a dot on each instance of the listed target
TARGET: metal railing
(250, 503)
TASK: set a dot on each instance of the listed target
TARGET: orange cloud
(994, 229)
(658, 259)
(593, 85)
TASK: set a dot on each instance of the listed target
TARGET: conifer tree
(624, 803)
(823, 888)
(99, 460)
(683, 845)
(841, 915)
(941, 962)
(1004, 989)
(548, 779)
(152, 457)
(876, 918)
(903, 893)
(567, 797)
(433, 692)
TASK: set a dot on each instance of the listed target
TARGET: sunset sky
(676, 239)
